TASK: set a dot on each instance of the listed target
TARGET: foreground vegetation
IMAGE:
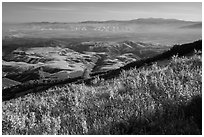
(153, 100)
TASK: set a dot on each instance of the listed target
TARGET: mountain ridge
(115, 21)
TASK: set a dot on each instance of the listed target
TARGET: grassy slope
(8, 82)
(153, 100)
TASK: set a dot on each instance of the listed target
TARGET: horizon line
(83, 21)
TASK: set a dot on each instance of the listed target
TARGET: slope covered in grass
(8, 82)
(152, 100)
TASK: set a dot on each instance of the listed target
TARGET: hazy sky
(74, 12)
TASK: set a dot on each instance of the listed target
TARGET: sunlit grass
(149, 100)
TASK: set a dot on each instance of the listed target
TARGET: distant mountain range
(139, 20)
(155, 30)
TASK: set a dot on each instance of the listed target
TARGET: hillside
(53, 58)
(193, 26)
(180, 50)
(145, 101)
(8, 83)
(50, 80)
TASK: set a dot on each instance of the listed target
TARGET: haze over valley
(155, 30)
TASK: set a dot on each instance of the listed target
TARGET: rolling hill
(23, 61)
(180, 50)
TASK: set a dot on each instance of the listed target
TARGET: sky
(98, 11)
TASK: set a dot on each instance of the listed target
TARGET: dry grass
(154, 100)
